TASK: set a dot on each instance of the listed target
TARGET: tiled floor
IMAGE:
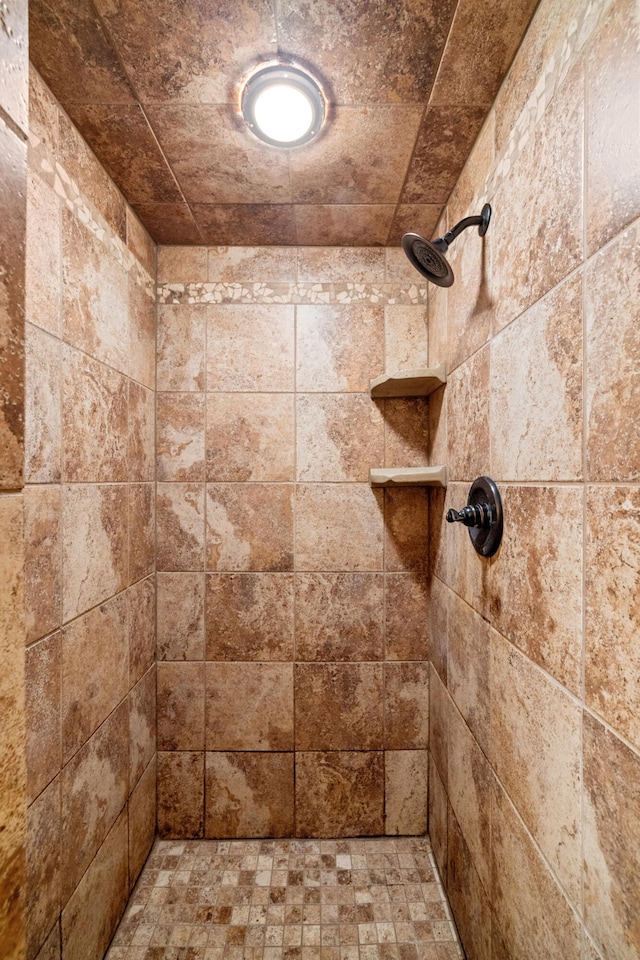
(294, 899)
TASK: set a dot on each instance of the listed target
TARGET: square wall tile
(406, 432)
(142, 726)
(142, 821)
(142, 328)
(249, 706)
(406, 791)
(181, 706)
(406, 335)
(180, 436)
(467, 895)
(406, 522)
(181, 347)
(239, 264)
(406, 706)
(42, 711)
(142, 433)
(330, 355)
(42, 560)
(142, 530)
(43, 407)
(249, 616)
(249, 795)
(338, 436)
(249, 527)
(339, 794)
(250, 436)
(250, 348)
(469, 667)
(338, 527)
(406, 617)
(467, 410)
(182, 264)
(141, 600)
(180, 526)
(181, 794)
(43, 291)
(338, 706)
(180, 616)
(43, 867)
(438, 803)
(339, 616)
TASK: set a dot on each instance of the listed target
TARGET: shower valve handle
(473, 515)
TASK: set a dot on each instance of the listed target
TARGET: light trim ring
(274, 119)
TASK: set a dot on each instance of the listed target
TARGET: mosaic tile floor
(294, 899)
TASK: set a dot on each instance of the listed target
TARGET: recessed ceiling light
(283, 105)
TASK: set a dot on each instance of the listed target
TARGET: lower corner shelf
(408, 476)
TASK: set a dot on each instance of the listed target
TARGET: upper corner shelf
(409, 383)
(408, 476)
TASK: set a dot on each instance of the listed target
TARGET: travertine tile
(250, 436)
(536, 578)
(169, 222)
(467, 410)
(339, 437)
(406, 789)
(14, 87)
(142, 328)
(406, 336)
(42, 266)
(338, 706)
(181, 347)
(180, 436)
(141, 599)
(180, 526)
(406, 521)
(249, 527)
(142, 529)
(180, 616)
(414, 218)
(339, 794)
(612, 659)
(250, 348)
(142, 726)
(94, 789)
(42, 560)
(95, 670)
(544, 187)
(42, 713)
(468, 667)
(94, 545)
(181, 706)
(249, 616)
(182, 264)
(339, 616)
(536, 391)
(242, 264)
(438, 804)
(439, 725)
(249, 795)
(613, 383)
(142, 821)
(95, 421)
(613, 129)
(43, 112)
(611, 848)
(334, 265)
(531, 911)
(329, 347)
(94, 296)
(241, 223)
(91, 916)
(406, 706)
(249, 706)
(343, 224)
(353, 540)
(469, 900)
(439, 601)
(453, 556)
(43, 407)
(43, 866)
(140, 243)
(536, 732)
(142, 434)
(51, 949)
(406, 433)
(181, 794)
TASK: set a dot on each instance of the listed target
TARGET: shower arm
(481, 221)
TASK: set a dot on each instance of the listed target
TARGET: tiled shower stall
(228, 632)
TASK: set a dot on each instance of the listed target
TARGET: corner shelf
(409, 383)
(408, 476)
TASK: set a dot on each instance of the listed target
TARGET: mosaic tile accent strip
(325, 293)
(379, 899)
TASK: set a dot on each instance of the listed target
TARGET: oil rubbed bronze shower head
(428, 257)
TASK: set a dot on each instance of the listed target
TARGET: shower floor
(294, 899)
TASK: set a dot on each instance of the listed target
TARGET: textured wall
(13, 176)
(89, 543)
(535, 681)
(291, 596)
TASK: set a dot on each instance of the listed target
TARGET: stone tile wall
(535, 672)
(89, 543)
(292, 598)
(13, 177)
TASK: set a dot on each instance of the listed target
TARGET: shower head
(428, 257)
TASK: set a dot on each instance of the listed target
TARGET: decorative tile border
(292, 293)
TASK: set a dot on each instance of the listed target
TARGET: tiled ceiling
(153, 86)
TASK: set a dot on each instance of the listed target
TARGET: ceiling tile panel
(362, 158)
(419, 218)
(374, 52)
(192, 52)
(215, 159)
(169, 223)
(335, 225)
(246, 224)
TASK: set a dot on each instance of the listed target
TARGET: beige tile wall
(292, 598)
(13, 175)
(89, 543)
(534, 803)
